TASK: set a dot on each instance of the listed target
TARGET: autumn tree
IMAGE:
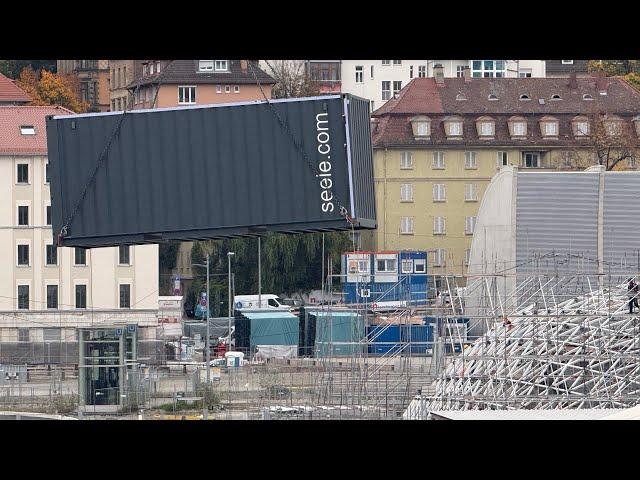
(52, 89)
(292, 79)
(12, 68)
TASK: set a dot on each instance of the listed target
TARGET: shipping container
(265, 328)
(407, 339)
(211, 171)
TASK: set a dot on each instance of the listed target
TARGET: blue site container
(388, 340)
(383, 340)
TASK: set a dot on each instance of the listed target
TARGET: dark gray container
(211, 171)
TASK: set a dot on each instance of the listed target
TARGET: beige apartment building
(93, 76)
(438, 144)
(47, 292)
(121, 74)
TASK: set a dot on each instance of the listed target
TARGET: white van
(268, 302)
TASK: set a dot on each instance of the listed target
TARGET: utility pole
(259, 274)
(205, 411)
(229, 255)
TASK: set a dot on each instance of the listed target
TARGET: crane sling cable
(103, 155)
(285, 127)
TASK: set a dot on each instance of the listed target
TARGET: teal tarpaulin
(273, 328)
(338, 333)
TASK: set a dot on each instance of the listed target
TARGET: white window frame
(406, 161)
(439, 258)
(422, 71)
(439, 225)
(554, 129)
(502, 158)
(359, 73)
(407, 265)
(52, 283)
(23, 283)
(386, 62)
(218, 88)
(19, 243)
(471, 192)
(525, 73)
(406, 192)
(236, 89)
(538, 161)
(192, 94)
(85, 283)
(439, 192)
(86, 258)
(487, 129)
(423, 129)
(396, 83)
(125, 281)
(28, 164)
(455, 129)
(227, 89)
(386, 262)
(484, 72)
(221, 65)
(438, 161)
(386, 93)
(422, 263)
(567, 62)
(24, 203)
(130, 256)
(469, 225)
(205, 65)
(397, 62)
(27, 130)
(579, 131)
(519, 129)
(406, 226)
(470, 160)
(459, 71)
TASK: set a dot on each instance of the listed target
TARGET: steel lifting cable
(285, 126)
(103, 155)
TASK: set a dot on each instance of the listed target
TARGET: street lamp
(229, 255)
(206, 342)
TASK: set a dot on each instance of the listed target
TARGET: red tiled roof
(12, 142)
(11, 93)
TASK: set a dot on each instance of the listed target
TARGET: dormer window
(586, 96)
(27, 130)
(453, 127)
(549, 127)
(525, 97)
(460, 97)
(613, 126)
(636, 123)
(492, 97)
(517, 127)
(222, 65)
(580, 126)
(421, 127)
(555, 96)
(486, 127)
(205, 65)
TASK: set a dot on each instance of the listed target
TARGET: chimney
(438, 73)
(573, 81)
(243, 66)
(466, 73)
(601, 83)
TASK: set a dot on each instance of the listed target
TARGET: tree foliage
(48, 88)
(290, 264)
(614, 67)
(12, 68)
(292, 79)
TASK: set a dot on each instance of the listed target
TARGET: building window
(438, 160)
(439, 192)
(469, 225)
(222, 65)
(467, 256)
(439, 257)
(23, 333)
(460, 71)
(406, 192)
(27, 130)
(52, 255)
(386, 62)
(186, 95)
(407, 265)
(372, 105)
(125, 295)
(397, 62)
(227, 89)
(48, 214)
(422, 71)
(587, 96)
(406, 161)
(518, 128)
(420, 265)
(470, 160)
(386, 90)
(567, 62)
(488, 68)
(23, 215)
(531, 159)
(524, 73)
(23, 173)
(613, 128)
(550, 129)
(157, 68)
(52, 296)
(371, 72)
(581, 128)
(423, 129)
(204, 66)
(124, 255)
(324, 71)
(471, 192)
(525, 97)
(359, 74)
(555, 96)
(81, 296)
(80, 255)
(236, 89)
(397, 86)
(406, 225)
(454, 128)
(46, 173)
(218, 88)
(51, 335)
(23, 297)
(421, 126)
(387, 265)
(410, 71)
(23, 255)
(503, 159)
(487, 129)
(438, 225)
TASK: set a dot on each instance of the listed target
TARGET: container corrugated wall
(621, 230)
(211, 171)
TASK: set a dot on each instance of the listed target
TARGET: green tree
(292, 79)
(614, 67)
(12, 68)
